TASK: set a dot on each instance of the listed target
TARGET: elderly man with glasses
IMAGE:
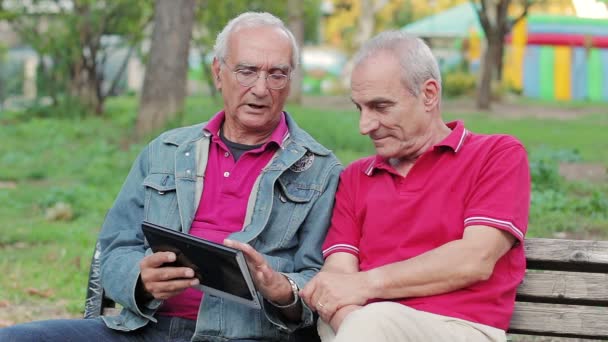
(249, 178)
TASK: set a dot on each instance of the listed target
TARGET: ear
(215, 70)
(431, 93)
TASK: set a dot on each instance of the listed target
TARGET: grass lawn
(83, 162)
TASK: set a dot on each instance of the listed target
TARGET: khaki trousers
(394, 322)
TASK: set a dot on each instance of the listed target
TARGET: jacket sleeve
(308, 259)
(122, 242)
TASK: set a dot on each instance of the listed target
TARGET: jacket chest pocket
(290, 207)
(160, 206)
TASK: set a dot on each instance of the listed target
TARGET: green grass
(586, 134)
(83, 162)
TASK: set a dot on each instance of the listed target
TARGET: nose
(260, 87)
(367, 122)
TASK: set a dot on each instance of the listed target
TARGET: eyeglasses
(247, 77)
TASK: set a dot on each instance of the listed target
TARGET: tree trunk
(207, 74)
(85, 81)
(83, 87)
(165, 81)
(500, 60)
(367, 21)
(296, 25)
(488, 66)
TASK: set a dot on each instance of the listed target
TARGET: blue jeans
(168, 329)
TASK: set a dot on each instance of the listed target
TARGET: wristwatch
(296, 296)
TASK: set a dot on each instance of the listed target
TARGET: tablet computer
(222, 271)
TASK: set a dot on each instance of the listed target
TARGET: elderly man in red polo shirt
(426, 237)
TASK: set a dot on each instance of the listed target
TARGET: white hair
(418, 64)
(250, 20)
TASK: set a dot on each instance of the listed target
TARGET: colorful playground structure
(558, 58)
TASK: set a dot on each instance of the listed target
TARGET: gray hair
(250, 20)
(418, 64)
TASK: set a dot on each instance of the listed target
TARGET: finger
(315, 299)
(267, 275)
(171, 286)
(251, 254)
(307, 291)
(324, 316)
(167, 295)
(157, 259)
(330, 310)
(149, 275)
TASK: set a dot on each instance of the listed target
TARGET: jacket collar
(296, 135)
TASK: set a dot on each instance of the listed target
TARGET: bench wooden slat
(564, 288)
(560, 320)
(572, 255)
(111, 311)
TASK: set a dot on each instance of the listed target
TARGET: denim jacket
(288, 214)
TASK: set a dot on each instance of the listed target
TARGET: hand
(271, 284)
(164, 282)
(341, 314)
(328, 292)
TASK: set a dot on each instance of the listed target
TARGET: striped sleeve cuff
(501, 224)
(341, 247)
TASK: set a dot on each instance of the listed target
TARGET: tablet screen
(220, 270)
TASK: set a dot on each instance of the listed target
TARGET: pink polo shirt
(467, 179)
(223, 203)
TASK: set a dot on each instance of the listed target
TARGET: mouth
(256, 106)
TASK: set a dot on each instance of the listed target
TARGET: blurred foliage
(11, 79)
(553, 197)
(458, 83)
(68, 42)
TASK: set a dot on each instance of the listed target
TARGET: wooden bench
(564, 293)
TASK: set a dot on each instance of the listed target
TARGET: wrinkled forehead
(262, 46)
(382, 65)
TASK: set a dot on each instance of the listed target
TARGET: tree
(496, 25)
(165, 82)
(68, 38)
(367, 19)
(296, 25)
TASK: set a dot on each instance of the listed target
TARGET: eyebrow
(375, 100)
(282, 67)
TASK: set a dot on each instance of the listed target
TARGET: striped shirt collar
(454, 141)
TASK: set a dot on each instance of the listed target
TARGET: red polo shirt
(223, 203)
(467, 179)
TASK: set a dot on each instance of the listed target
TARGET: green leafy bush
(558, 202)
(458, 83)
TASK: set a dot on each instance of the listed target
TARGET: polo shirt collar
(278, 136)
(454, 141)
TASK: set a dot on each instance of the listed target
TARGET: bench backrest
(565, 291)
